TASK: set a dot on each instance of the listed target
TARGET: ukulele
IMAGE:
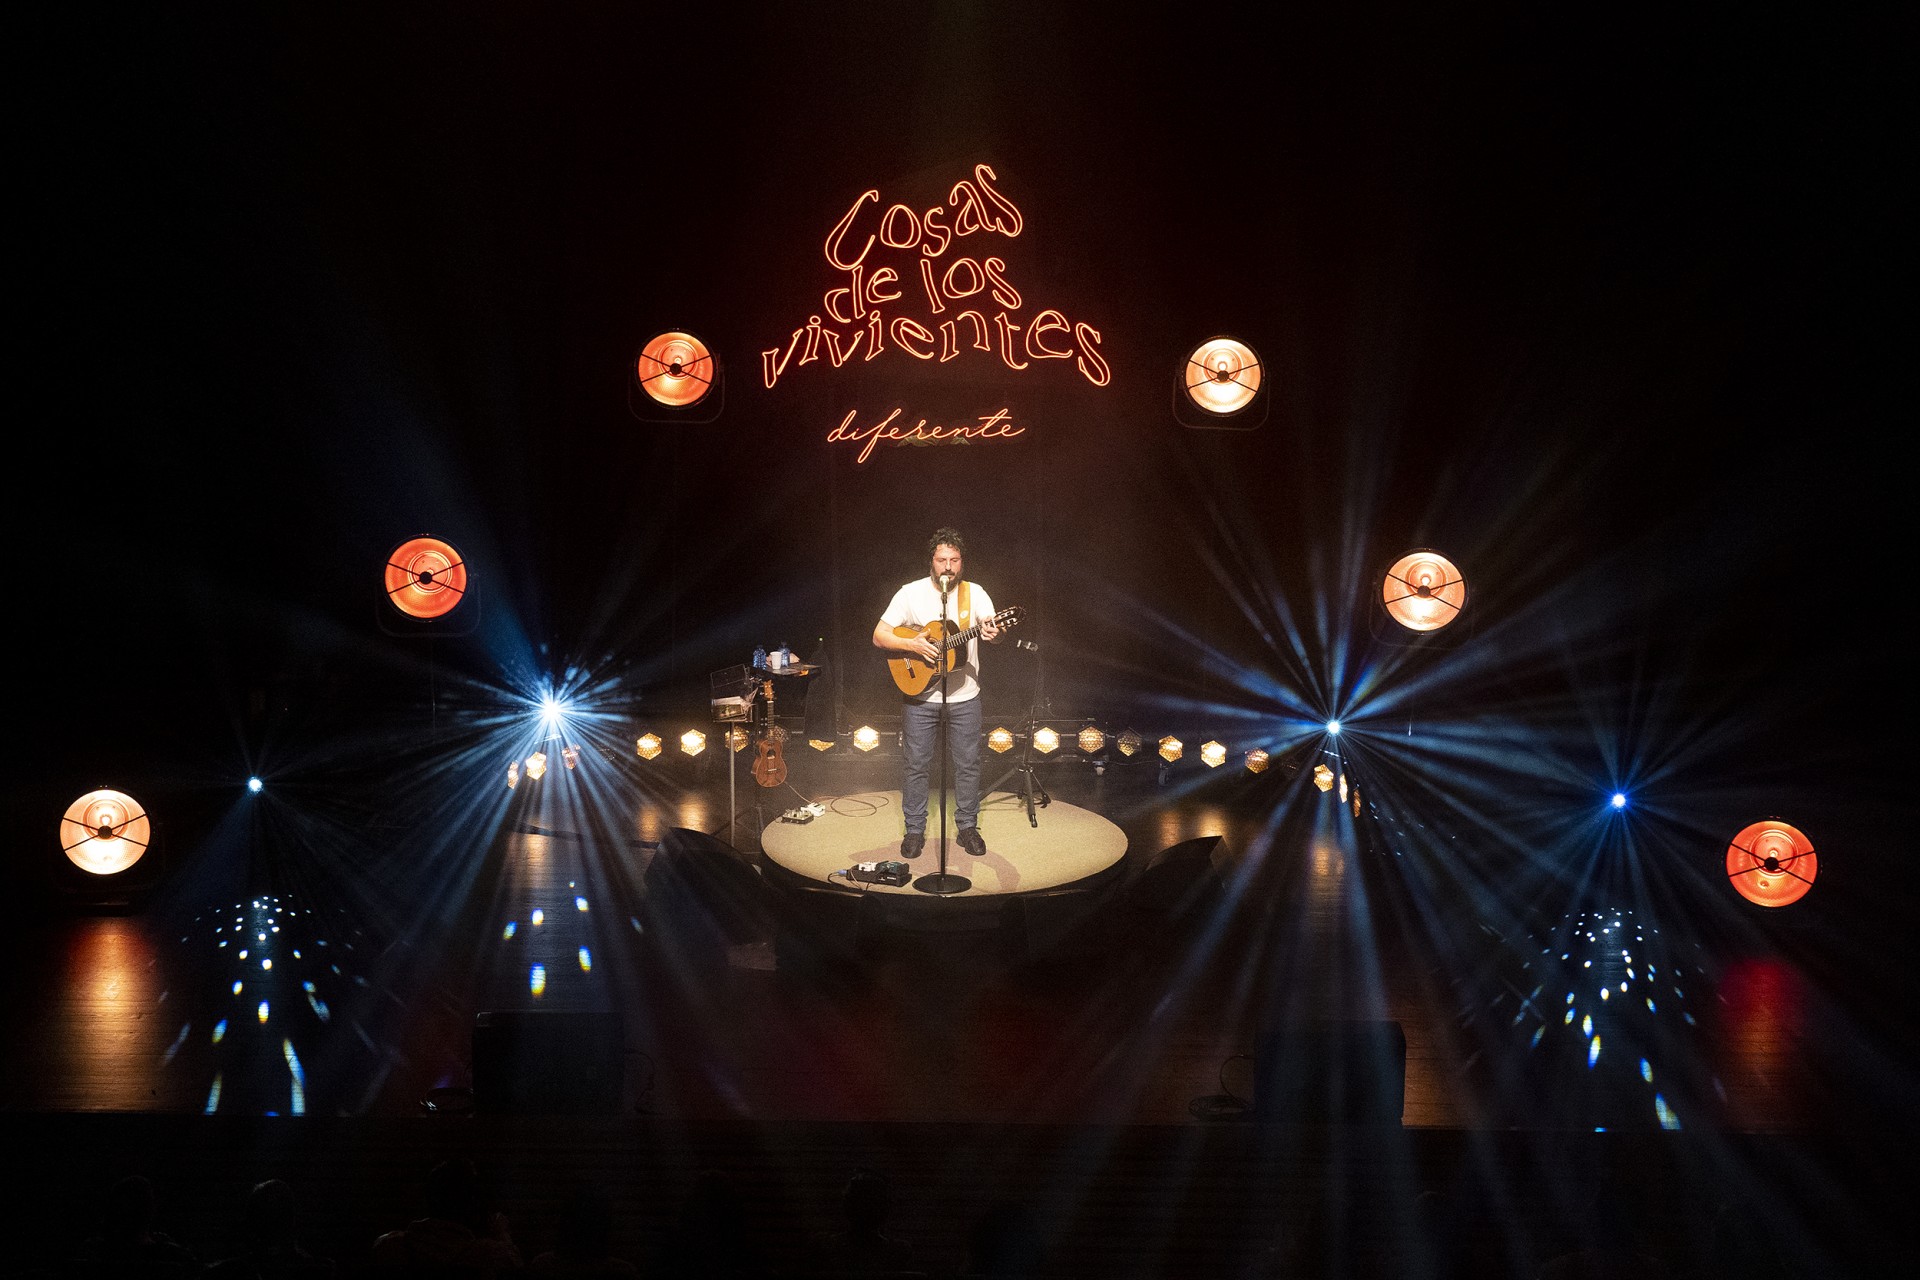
(913, 673)
(769, 766)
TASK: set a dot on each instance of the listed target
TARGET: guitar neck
(959, 638)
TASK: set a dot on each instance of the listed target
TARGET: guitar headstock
(1009, 617)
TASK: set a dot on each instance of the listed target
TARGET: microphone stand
(942, 882)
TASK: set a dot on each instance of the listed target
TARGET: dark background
(1605, 306)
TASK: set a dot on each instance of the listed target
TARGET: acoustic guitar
(914, 673)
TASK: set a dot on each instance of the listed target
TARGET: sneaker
(972, 842)
(913, 844)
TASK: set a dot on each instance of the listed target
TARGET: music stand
(1031, 792)
(943, 882)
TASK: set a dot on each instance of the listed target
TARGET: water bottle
(760, 658)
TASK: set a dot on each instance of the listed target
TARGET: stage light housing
(1423, 591)
(1091, 740)
(736, 739)
(570, 756)
(1171, 748)
(1046, 741)
(105, 832)
(1772, 863)
(537, 765)
(693, 742)
(1221, 377)
(425, 578)
(675, 369)
(1343, 788)
(648, 746)
(1213, 754)
(866, 738)
(1000, 740)
(513, 774)
(1323, 777)
(1130, 744)
(1258, 760)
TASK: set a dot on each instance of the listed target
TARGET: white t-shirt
(917, 604)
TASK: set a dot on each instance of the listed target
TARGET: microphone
(946, 583)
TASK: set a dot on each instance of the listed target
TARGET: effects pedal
(805, 813)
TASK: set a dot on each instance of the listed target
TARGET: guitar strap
(966, 601)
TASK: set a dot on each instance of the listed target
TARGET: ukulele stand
(770, 735)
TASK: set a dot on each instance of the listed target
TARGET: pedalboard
(889, 873)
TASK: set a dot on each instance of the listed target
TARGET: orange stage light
(1171, 748)
(537, 765)
(1772, 863)
(1423, 591)
(426, 578)
(1091, 740)
(1000, 740)
(675, 369)
(105, 832)
(647, 746)
(1257, 761)
(1221, 376)
(866, 737)
(1046, 741)
(1214, 754)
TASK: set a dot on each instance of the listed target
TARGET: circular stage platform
(1069, 846)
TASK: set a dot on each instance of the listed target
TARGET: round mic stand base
(943, 884)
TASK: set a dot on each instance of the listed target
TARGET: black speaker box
(1321, 1072)
(1182, 880)
(547, 1062)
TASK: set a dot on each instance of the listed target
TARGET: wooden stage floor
(634, 964)
(1231, 922)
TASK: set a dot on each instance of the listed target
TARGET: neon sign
(998, 425)
(898, 294)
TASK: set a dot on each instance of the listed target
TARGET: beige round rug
(1069, 845)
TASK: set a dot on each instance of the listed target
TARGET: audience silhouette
(128, 1245)
(272, 1249)
(583, 1247)
(713, 1236)
(861, 1247)
(459, 1236)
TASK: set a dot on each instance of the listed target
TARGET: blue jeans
(921, 723)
